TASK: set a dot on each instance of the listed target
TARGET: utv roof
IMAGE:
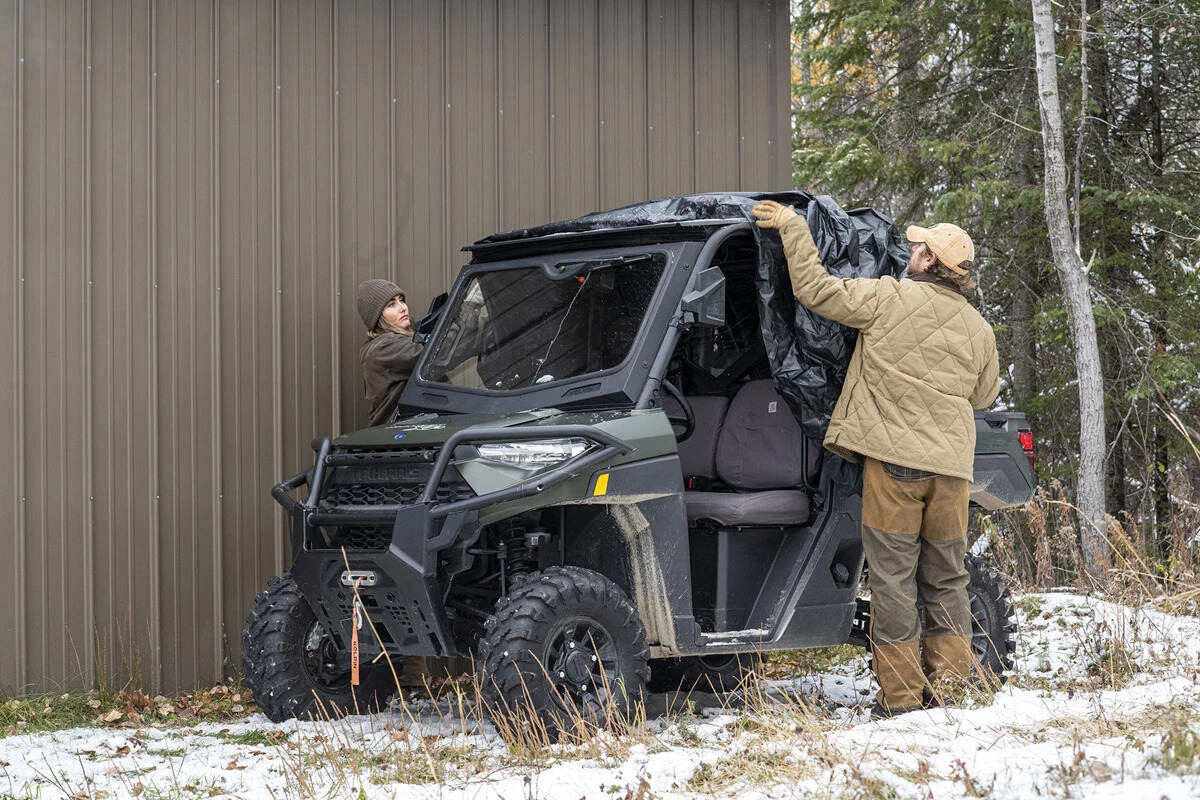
(632, 235)
(682, 218)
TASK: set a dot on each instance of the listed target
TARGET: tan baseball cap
(949, 243)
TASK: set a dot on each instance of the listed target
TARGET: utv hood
(432, 429)
(808, 354)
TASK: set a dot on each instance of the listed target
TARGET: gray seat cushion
(777, 507)
(760, 447)
(698, 451)
(761, 444)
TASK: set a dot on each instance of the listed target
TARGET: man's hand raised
(771, 214)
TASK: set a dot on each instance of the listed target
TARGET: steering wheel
(688, 421)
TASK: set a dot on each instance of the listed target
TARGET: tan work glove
(771, 214)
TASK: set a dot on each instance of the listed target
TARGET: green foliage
(1180, 749)
(929, 112)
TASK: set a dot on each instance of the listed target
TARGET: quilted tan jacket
(925, 359)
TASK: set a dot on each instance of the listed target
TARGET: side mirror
(705, 303)
(428, 322)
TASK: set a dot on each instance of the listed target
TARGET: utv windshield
(516, 328)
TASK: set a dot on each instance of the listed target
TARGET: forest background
(929, 112)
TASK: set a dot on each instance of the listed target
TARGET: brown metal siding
(12, 485)
(190, 193)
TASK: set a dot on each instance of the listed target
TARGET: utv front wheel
(292, 665)
(565, 652)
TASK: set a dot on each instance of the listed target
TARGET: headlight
(536, 454)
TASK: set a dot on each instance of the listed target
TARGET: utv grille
(366, 494)
(393, 478)
(364, 538)
(372, 494)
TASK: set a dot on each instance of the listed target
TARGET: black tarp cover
(808, 354)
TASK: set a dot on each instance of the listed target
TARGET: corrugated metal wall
(190, 192)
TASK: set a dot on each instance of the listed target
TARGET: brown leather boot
(949, 667)
(901, 680)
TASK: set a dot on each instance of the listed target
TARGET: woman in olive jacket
(389, 354)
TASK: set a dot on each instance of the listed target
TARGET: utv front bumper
(398, 588)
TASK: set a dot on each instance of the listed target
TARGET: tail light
(1025, 437)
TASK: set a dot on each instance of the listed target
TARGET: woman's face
(395, 314)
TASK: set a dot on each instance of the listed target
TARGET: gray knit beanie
(373, 296)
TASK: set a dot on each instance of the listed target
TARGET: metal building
(190, 191)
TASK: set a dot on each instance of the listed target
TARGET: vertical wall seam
(42, 500)
(646, 94)
(334, 228)
(499, 123)
(18, 340)
(214, 211)
(741, 138)
(277, 295)
(552, 172)
(601, 192)
(152, 236)
(599, 200)
(133, 498)
(772, 88)
(446, 233)
(695, 131)
(391, 154)
(783, 97)
(89, 523)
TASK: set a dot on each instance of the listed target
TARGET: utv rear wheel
(564, 653)
(291, 664)
(993, 618)
(717, 673)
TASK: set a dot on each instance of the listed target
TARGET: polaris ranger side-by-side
(594, 484)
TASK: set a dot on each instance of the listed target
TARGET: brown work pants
(914, 527)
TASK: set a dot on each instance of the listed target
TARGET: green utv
(606, 476)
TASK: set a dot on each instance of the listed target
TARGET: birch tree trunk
(1071, 274)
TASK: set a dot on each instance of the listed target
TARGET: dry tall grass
(1038, 547)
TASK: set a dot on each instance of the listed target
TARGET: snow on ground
(1103, 703)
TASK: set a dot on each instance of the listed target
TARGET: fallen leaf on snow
(234, 765)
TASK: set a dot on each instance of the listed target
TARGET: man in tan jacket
(925, 359)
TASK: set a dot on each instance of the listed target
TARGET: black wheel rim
(581, 659)
(981, 627)
(320, 658)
